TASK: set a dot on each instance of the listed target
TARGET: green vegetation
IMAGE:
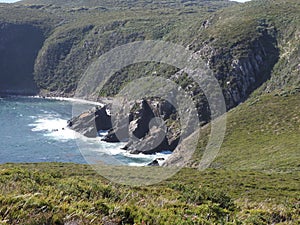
(68, 193)
(254, 179)
(262, 34)
(262, 134)
(77, 33)
(82, 36)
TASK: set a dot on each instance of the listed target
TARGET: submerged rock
(154, 163)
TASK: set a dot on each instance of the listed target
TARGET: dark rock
(89, 123)
(120, 130)
(154, 163)
(84, 124)
(17, 58)
(103, 120)
(126, 147)
(140, 127)
(142, 131)
(137, 124)
(152, 143)
(160, 159)
(118, 134)
(166, 109)
(173, 137)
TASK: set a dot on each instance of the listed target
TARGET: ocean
(35, 130)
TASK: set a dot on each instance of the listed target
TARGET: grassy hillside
(129, 4)
(263, 134)
(84, 35)
(74, 194)
(244, 44)
(252, 48)
(254, 180)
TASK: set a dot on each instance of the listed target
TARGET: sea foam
(55, 128)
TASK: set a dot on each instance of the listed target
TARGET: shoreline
(104, 101)
(69, 99)
(156, 157)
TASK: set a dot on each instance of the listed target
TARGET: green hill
(246, 44)
(252, 49)
(74, 194)
(262, 135)
(249, 47)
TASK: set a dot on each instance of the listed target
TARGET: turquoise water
(34, 130)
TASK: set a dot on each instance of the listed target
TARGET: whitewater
(35, 130)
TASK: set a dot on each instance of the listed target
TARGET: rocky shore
(152, 126)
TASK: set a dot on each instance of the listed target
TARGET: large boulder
(140, 126)
(89, 123)
(117, 134)
(155, 141)
(137, 124)
(150, 135)
(143, 131)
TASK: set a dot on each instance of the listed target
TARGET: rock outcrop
(153, 142)
(240, 74)
(89, 123)
(44, 49)
(143, 130)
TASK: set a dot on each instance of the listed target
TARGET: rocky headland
(141, 130)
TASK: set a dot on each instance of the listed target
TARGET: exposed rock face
(89, 123)
(140, 126)
(240, 75)
(141, 129)
(249, 73)
(67, 53)
(153, 142)
(146, 134)
(154, 163)
(19, 47)
(240, 68)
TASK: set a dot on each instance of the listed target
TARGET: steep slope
(22, 35)
(84, 35)
(241, 43)
(278, 18)
(19, 46)
(248, 46)
(77, 32)
(262, 134)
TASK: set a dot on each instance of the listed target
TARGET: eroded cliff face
(242, 68)
(57, 65)
(19, 47)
